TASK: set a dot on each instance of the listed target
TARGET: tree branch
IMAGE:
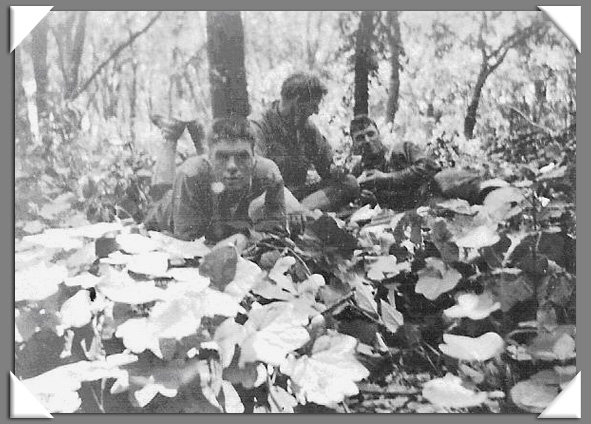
(61, 55)
(113, 55)
(529, 121)
(76, 53)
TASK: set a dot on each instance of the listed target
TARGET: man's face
(367, 142)
(233, 163)
(305, 109)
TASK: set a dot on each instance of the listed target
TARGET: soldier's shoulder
(195, 166)
(266, 169)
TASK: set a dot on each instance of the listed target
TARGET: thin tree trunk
(227, 73)
(22, 125)
(491, 61)
(39, 53)
(470, 120)
(133, 102)
(395, 51)
(75, 56)
(362, 62)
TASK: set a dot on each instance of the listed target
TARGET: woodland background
(455, 307)
(93, 78)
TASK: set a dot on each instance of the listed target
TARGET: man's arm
(189, 207)
(411, 167)
(268, 180)
(322, 154)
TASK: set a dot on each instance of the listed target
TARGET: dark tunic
(293, 150)
(191, 209)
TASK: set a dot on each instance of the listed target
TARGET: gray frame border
(7, 176)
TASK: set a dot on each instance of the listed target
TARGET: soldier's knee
(350, 186)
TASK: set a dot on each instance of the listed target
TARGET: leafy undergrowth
(447, 308)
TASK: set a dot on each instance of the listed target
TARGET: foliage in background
(448, 308)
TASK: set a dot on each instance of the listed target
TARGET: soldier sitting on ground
(408, 177)
(294, 143)
(210, 195)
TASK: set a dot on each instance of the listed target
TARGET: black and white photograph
(306, 212)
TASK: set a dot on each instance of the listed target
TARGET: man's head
(301, 94)
(366, 137)
(231, 152)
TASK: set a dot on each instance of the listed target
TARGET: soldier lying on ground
(408, 178)
(210, 195)
(295, 144)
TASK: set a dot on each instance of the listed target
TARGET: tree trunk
(227, 73)
(39, 54)
(75, 56)
(133, 102)
(395, 51)
(363, 56)
(470, 120)
(22, 125)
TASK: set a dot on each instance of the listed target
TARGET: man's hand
(239, 240)
(367, 197)
(296, 222)
(368, 178)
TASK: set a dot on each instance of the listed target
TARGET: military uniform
(295, 151)
(191, 209)
(412, 183)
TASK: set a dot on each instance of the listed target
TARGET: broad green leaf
(448, 392)
(311, 285)
(228, 334)
(135, 244)
(60, 384)
(557, 376)
(120, 287)
(38, 282)
(146, 380)
(509, 286)
(436, 278)
(556, 345)
(76, 311)
(56, 238)
(391, 316)
(280, 401)
(188, 275)
(232, 402)
(34, 227)
(466, 348)
(329, 374)
(138, 334)
(81, 259)
(481, 236)
(273, 331)
(248, 276)
(459, 206)
(365, 213)
(442, 238)
(96, 231)
(116, 258)
(178, 316)
(278, 274)
(384, 267)
(364, 297)
(502, 203)
(180, 248)
(58, 206)
(533, 396)
(473, 306)
(220, 266)
(27, 322)
(154, 264)
(32, 256)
